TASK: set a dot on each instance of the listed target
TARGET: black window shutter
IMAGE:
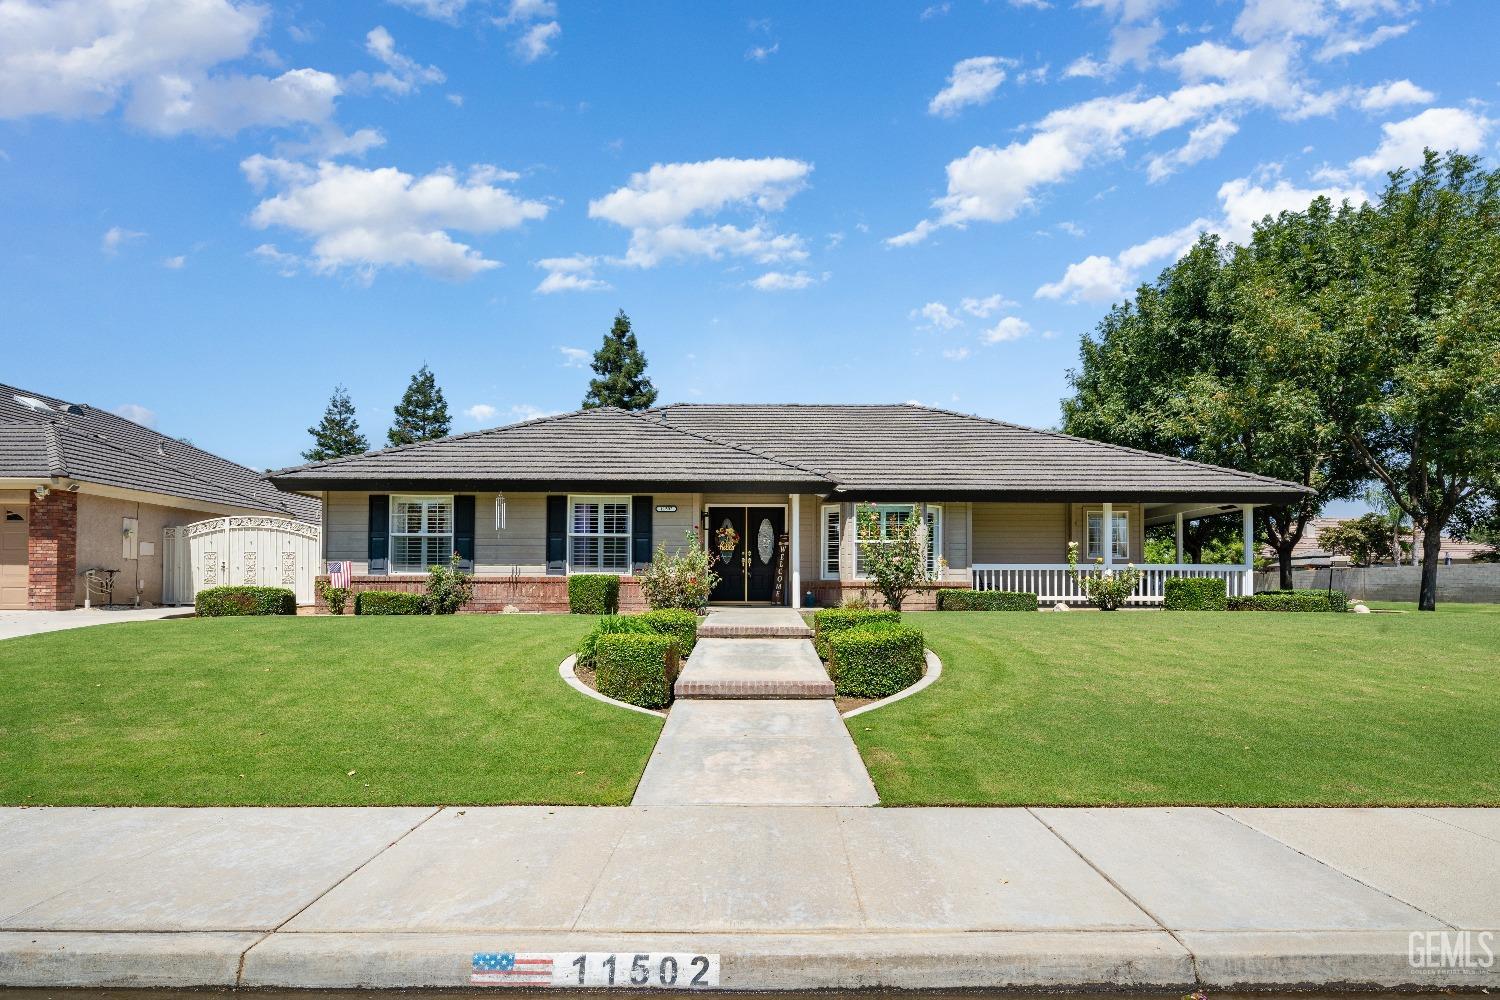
(463, 530)
(380, 533)
(640, 529)
(557, 534)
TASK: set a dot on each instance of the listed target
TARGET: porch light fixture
(42, 491)
(499, 511)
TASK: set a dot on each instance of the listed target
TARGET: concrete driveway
(14, 624)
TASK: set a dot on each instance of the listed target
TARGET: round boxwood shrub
(875, 661)
(678, 623)
(593, 594)
(610, 625)
(389, 602)
(633, 668)
(223, 602)
(1188, 593)
(985, 600)
(830, 620)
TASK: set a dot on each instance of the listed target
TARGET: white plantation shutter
(830, 543)
(421, 533)
(599, 535)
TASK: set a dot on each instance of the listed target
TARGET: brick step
(709, 630)
(753, 668)
(752, 690)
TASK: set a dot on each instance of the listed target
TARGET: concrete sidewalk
(793, 898)
(14, 624)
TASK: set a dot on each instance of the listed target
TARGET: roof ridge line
(390, 449)
(185, 473)
(641, 415)
(1109, 444)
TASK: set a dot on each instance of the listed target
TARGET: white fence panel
(250, 551)
(1054, 582)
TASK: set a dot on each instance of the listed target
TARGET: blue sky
(215, 210)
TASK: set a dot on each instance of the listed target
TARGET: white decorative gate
(244, 551)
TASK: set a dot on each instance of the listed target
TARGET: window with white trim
(891, 516)
(830, 547)
(599, 534)
(421, 533)
(1121, 534)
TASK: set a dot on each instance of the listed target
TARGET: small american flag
(506, 968)
(338, 573)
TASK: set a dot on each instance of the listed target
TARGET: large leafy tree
(1399, 354)
(621, 370)
(337, 434)
(1174, 371)
(422, 414)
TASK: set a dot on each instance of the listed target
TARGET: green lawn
(1138, 708)
(263, 711)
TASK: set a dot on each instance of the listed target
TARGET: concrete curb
(91, 958)
(934, 671)
(565, 668)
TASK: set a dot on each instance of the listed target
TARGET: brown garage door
(13, 557)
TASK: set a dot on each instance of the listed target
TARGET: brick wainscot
(52, 551)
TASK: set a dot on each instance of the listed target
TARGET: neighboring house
(1308, 554)
(81, 488)
(596, 490)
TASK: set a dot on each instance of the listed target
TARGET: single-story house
(772, 490)
(82, 489)
(1309, 554)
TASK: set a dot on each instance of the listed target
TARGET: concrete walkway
(14, 624)
(793, 898)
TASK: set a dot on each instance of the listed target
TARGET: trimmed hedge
(593, 594)
(678, 623)
(1292, 600)
(872, 662)
(1189, 593)
(985, 600)
(831, 620)
(226, 602)
(633, 668)
(389, 602)
(610, 625)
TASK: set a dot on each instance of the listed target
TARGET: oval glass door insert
(765, 540)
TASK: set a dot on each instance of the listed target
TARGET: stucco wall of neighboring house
(101, 544)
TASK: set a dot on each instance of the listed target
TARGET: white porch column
(796, 551)
(1247, 525)
(1179, 538)
(1107, 541)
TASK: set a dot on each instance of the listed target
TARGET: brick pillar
(52, 551)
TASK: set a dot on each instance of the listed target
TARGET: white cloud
(1394, 93)
(1086, 67)
(935, 10)
(366, 219)
(656, 204)
(1008, 329)
(285, 264)
(986, 306)
(760, 53)
(937, 316)
(1096, 278)
(1243, 203)
(332, 142)
(403, 74)
(481, 412)
(175, 263)
(973, 81)
(438, 10)
(525, 11)
(1072, 228)
(570, 274)
(526, 411)
(956, 353)
(137, 413)
(575, 357)
(536, 41)
(81, 58)
(1351, 45)
(782, 281)
(117, 236)
(1442, 129)
(1203, 143)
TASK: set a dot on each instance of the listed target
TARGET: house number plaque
(666, 508)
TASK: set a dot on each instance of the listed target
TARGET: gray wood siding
(346, 529)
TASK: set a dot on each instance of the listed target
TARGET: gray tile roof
(861, 450)
(42, 436)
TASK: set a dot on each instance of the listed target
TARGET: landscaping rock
(1360, 609)
(1060, 606)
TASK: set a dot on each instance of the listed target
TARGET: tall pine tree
(422, 414)
(621, 368)
(337, 434)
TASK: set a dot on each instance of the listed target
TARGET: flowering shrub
(683, 580)
(448, 587)
(1107, 589)
(896, 560)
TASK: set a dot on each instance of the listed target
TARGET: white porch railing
(1053, 582)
